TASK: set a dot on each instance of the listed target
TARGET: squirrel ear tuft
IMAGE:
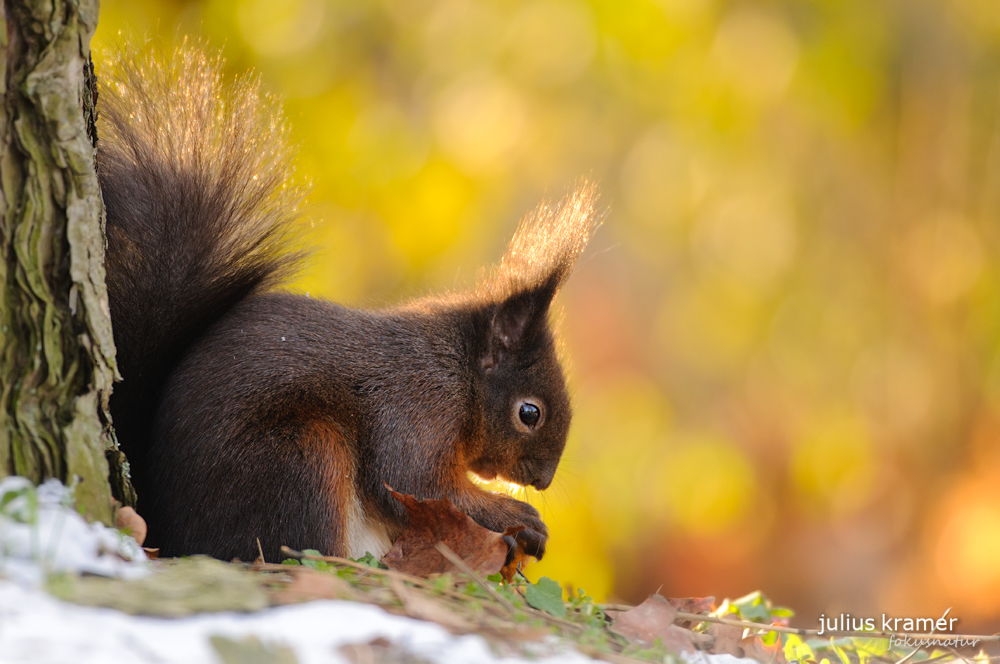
(538, 261)
(545, 247)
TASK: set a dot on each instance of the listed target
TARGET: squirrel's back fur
(250, 415)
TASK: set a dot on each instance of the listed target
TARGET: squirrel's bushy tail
(197, 180)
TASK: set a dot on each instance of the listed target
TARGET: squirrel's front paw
(532, 539)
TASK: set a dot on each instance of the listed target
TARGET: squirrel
(249, 413)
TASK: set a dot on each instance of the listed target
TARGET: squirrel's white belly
(363, 534)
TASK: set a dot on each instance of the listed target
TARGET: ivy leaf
(369, 560)
(546, 595)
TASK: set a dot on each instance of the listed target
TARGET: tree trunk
(57, 354)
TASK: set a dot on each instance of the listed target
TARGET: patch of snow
(41, 533)
(39, 629)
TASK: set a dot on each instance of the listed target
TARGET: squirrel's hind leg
(317, 508)
(289, 484)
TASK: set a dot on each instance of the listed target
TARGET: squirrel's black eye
(529, 414)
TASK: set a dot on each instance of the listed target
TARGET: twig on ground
(415, 580)
(457, 561)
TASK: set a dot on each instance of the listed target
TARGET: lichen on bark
(56, 347)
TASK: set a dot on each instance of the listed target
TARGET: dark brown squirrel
(249, 414)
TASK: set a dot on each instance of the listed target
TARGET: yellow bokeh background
(783, 343)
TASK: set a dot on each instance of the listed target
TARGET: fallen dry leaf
(755, 648)
(129, 520)
(652, 620)
(433, 521)
(309, 584)
(692, 604)
(727, 639)
(423, 607)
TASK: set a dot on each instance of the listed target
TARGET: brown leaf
(701, 641)
(520, 559)
(423, 607)
(652, 620)
(129, 520)
(754, 648)
(727, 639)
(308, 584)
(433, 521)
(692, 604)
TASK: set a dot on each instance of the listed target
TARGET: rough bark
(56, 348)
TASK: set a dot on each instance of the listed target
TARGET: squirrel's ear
(518, 320)
(538, 261)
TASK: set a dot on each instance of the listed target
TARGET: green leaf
(290, 561)
(866, 649)
(443, 583)
(20, 502)
(754, 607)
(797, 649)
(370, 561)
(495, 578)
(841, 653)
(546, 595)
(314, 564)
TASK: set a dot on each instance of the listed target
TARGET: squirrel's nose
(543, 482)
